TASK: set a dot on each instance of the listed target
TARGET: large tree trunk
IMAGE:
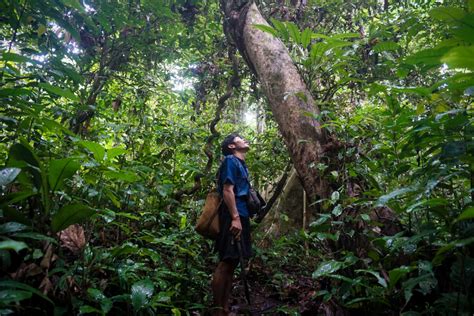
(288, 96)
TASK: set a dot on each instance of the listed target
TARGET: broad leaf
(22, 153)
(59, 91)
(12, 245)
(466, 214)
(460, 57)
(386, 46)
(12, 227)
(447, 14)
(142, 291)
(7, 175)
(97, 150)
(266, 28)
(70, 214)
(60, 170)
(14, 296)
(9, 284)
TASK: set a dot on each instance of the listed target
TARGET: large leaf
(447, 14)
(460, 57)
(13, 296)
(380, 280)
(306, 37)
(327, 267)
(466, 214)
(266, 28)
(70, 214)
(60, 170)
(59, 91)
(114, 152)
(12, 227)
(397, 273)
(9, 284)
(97, 150)
(105, 302)
(384, 199)
(12, 245)
(22, 155)
(386, 46)
(142, 291)
(7, 175)
(428, 57)
(9, 56)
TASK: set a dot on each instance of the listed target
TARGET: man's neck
(240, 155)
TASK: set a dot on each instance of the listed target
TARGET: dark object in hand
(255, 202)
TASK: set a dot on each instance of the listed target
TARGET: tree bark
(291, 102)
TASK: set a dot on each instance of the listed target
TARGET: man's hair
(227, 141)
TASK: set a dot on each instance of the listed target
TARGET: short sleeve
(229, 171)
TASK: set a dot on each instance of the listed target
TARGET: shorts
(225, 244)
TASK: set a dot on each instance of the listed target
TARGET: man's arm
(229, 199)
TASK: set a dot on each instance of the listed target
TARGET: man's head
(232, 143)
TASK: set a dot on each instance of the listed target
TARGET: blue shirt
(234, 171)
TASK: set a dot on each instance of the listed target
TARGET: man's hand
(236, 227)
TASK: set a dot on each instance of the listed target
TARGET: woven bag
(208, 222)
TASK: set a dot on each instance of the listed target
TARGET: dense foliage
(105, 113)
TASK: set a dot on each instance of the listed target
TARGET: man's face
(240, 144)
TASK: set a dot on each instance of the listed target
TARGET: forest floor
(287, 292)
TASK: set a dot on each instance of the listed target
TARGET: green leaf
(266, 28)
(70, 214)
(384, 199)
(386, 46)
(337, 210)
(7, 175)
(61, 169)
(293, 31)
(306, 37)
(466, 214)
(97, 295)
(23, 152)
(447, 14)
(460, 57)
(12, 227)
(97, 150)
(13, 296)
(18, 285)
(66, 93)
(13, 198)
(142, 291)
(396, 274)
(327, 267)
(281, 28)
(36, 236)
(380, 280)
(13, 245)
(8, 56)
(440, 254)
(114, 152)
(428, 57)
(76, 4)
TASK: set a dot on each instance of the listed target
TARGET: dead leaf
(46, 261)
(73, 238)
(46, 285)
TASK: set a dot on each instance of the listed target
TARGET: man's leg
(222, 286)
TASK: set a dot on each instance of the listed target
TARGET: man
(233, 184)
